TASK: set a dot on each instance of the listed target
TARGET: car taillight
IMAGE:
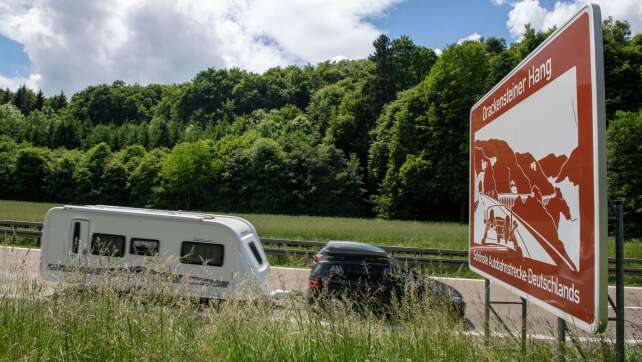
(316, 258)
(313, 283)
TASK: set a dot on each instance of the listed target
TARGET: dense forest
(384, 136)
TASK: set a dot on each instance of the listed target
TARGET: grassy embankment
(102, 324)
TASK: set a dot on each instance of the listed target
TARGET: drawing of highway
(517, 207)
(505, 230)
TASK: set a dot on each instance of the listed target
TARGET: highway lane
(18, 264)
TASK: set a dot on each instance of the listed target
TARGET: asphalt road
(18, 264)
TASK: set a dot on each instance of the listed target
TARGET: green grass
(378, 231)
(100, 324)
(24, 211)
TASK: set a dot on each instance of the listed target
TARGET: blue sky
(14, 61)
(437, 23)
(67, 45)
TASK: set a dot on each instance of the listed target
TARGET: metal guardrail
(284, 247)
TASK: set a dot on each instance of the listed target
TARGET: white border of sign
(599, 175)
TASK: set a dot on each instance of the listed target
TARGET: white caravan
(201, 255)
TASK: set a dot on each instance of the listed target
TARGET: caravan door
(79, 243)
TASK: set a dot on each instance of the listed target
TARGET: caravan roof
(237, 224)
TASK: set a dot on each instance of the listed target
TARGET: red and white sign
(538, 177)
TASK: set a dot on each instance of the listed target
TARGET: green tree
(6, 96)
(622, 67)
(66, 132)
(8, 151)
(117, 103)
(57, 102)
(59, 178)
(40, 101)
(324, 104)
(254, 179)
(113, 184)
(24, 100)
(160, 133)
(624, 146)
(39, 127)
(381, 89)
(12, 122)
(144, 181)
(350, 129)
(410, 63)
(131, 156)
(89, 173)
(30, 171)
(323, 182)
(427, 161)
(188, 176)
(208, 97)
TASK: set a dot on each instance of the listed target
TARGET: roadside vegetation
(103, 323)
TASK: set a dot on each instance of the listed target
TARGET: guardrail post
(486, 312)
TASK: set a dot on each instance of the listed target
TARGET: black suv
(366, 274)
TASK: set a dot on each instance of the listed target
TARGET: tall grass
(103, 323)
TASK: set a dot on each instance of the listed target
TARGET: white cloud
(531, 11)
(33, 81)
(472, 37)
(72, 44)
(438, 51)
(498, 2)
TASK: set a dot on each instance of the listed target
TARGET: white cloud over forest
(72, 44)
(472, 37)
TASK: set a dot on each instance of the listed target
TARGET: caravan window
(147, 247)
(201, 253)
(256, 253)
(107, 244)
(76, 238)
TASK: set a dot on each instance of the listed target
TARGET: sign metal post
(561, 339)
(489, 308)
(619, 281)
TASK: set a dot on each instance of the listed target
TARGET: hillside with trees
(384, 136)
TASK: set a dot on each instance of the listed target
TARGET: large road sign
(538, 177)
